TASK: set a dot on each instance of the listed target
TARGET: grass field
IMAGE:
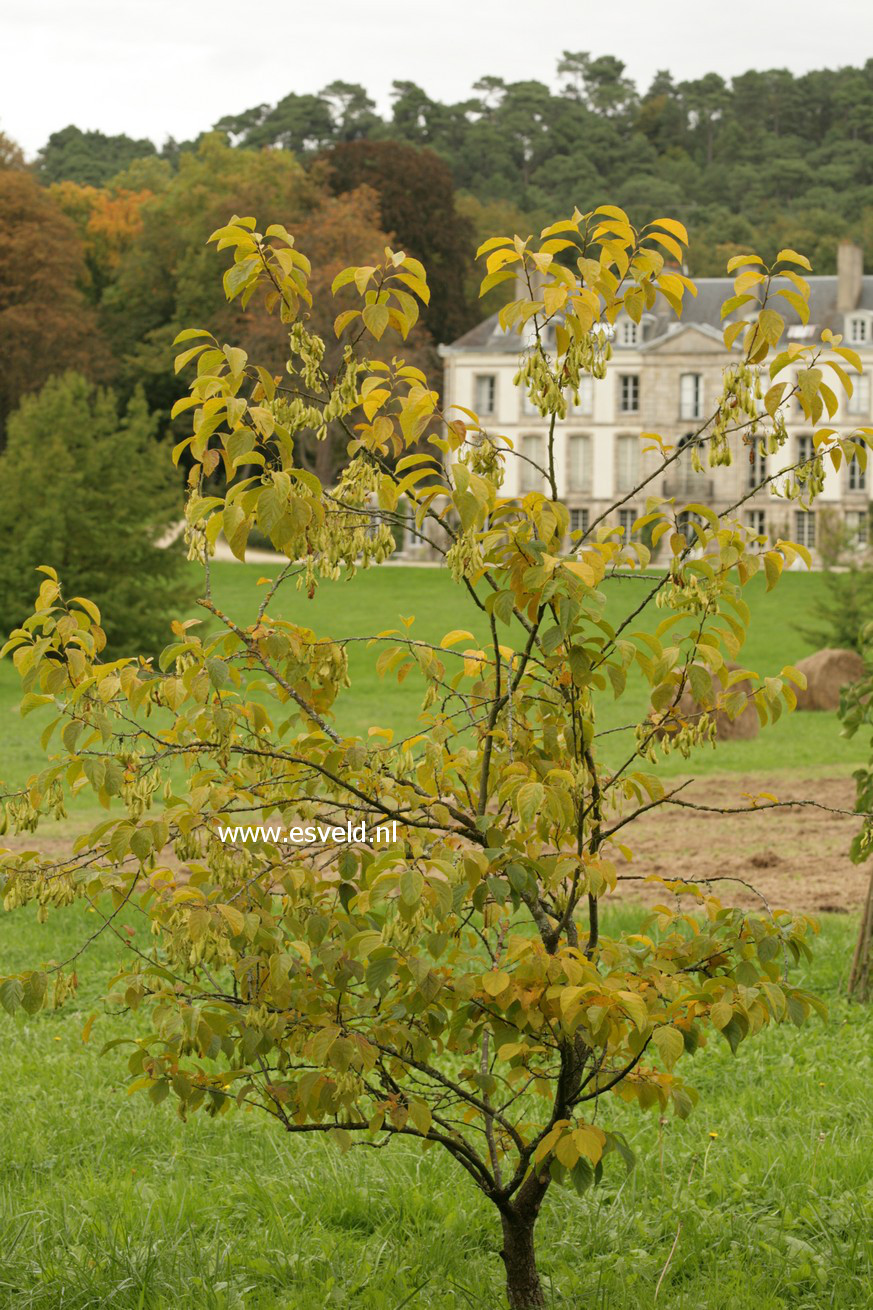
(377, 599)
(105, 1201)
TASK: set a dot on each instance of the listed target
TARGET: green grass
(376, 600)
(106, 1201)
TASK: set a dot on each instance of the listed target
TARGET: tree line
(746, 162)
(89, 281)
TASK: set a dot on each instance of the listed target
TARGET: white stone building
(665, 376)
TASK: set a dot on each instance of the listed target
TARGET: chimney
(521, 291)
(850, 271)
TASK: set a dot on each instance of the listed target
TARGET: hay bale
(744, 726)
(827, 671)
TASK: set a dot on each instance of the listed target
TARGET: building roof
(703, 309)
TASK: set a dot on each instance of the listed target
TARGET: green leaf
(218, 672)
(411, 886)
(33, 993)
(11, 992)
(380, 967)
(141, 843)
(32, 701)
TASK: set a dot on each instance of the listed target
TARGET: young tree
(455, 986)
(92, 492)
(856, 711)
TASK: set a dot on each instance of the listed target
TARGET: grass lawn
(377, 599)
(106, 1201)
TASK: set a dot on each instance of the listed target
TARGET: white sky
(157, 68)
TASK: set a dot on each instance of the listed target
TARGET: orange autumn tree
(454, 988)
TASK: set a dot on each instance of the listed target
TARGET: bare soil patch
(797, 858)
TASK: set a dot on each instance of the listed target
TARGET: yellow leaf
(567, 1151)
(495, 982)
(791, 257)
(589, 1141)
(233, 917)
(420, 1115)
(635, 1007)
(456, 635)
(669, 1043)
(773, 563)
(375, 319)
(672, 225)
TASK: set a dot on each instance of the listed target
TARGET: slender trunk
(859, 978)
(523, 1288)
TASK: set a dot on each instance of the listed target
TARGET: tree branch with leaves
(457, 987)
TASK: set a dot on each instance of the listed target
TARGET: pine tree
(88, 492)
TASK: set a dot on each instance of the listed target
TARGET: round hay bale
(741, 728)
(827, 672)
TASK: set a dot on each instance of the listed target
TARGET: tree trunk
(523, 1288)
(859, 978)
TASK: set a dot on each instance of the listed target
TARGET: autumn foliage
(456, 988)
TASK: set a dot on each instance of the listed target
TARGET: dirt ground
(797, 858)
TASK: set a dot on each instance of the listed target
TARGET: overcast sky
(160, 68)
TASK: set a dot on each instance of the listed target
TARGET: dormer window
(628, 332)
(859, 330)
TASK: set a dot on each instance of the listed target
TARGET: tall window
(585, 405)
(805, 449)
(859, 401)
(528, 408)
(804, 527)
(691, 395)
(685, 524)
(627, 463)
(857, 475)
(757, 468)
(579, 519)
(629, 393)
(579, 463)
(626, 520)
(756, 522)
(484, 394)
(530, 477)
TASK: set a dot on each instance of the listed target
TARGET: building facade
(665, 377)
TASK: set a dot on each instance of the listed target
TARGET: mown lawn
(106, 1201)
(376, 600)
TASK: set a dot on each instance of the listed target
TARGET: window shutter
(580, 463)
(627, 463)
